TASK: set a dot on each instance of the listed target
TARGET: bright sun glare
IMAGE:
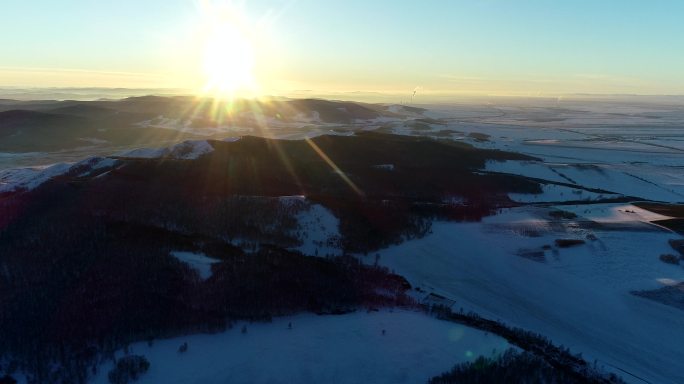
(229, 42)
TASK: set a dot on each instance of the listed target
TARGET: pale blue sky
(488, 46)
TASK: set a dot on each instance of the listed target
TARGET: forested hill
(86, 261)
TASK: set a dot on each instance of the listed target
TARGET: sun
(228, 42)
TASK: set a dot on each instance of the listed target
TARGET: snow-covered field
(626, 147)
(613, 213)
(317, 349)
(644, 182)
(559, 193)
(578, 296)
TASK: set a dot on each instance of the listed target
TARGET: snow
(197, 261)
(30, 178)
(93, 141)
(395, 108)
(578, 297)
(613, 213)
(637, 180)
(190, 150)
(18, 179)
(612, 179)
(100, 163)
(535, 169)
(318, 349)
(455, 200)
(143, 153)
(292, 200)
(559, 193)
(319, 230)
(94, 164)
(622, 147)
(187, 150)
(168, 123)
(384, 167)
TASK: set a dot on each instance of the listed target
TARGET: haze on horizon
(487, 47)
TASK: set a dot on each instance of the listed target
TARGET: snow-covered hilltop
(29, 178)
(187, 150)
(26, 179)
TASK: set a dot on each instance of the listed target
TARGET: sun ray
(334, 166)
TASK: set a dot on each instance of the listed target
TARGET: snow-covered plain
(629, 147)
(347, 348)
(559, 193)
(639, 181)
(613, 213)
(579, 296)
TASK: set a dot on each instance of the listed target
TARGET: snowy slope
(143, 153)
(187, 150)
(197, 261)
(29, 178)
(89, 166)
(319, 230)
(579, 296)
(190, 150)
(318, 349)
(19, 179)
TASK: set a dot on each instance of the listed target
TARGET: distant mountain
(33, 126)
(25, 118)
(27, 131)
(86, 110)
